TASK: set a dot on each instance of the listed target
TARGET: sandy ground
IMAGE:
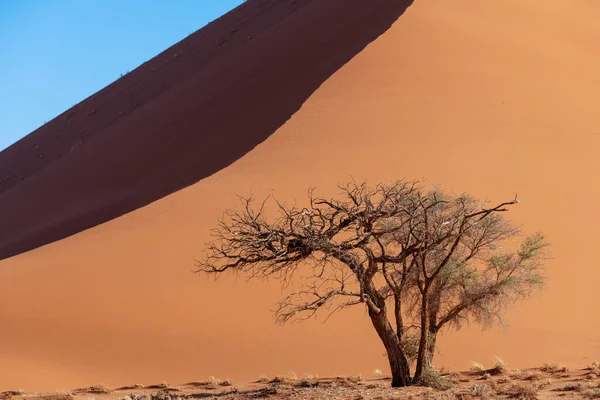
(525, 385)
(491, 98)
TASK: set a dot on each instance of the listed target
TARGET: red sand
(488, 98)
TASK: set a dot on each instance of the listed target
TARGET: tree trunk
(422, 354)
(398, 362)
(431, 346)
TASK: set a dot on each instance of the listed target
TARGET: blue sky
(55, 53)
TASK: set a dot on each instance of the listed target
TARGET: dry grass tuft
(572, 386)
(554, 368)
(476, 367)
(522, 391)
(595, 368)
(433, 379)
(212, 383)
(264, 379)
(500, 367)
(280, 379)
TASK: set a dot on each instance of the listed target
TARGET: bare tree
(373, 247)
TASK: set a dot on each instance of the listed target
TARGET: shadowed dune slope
(180, 117)
(491, 98)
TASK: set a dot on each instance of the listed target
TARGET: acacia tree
(374, 247)
(462, 275)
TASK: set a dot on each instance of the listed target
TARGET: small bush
(476, 367)
(227, 382)
(280, 379)
(500, 367)
(433, 379)
(263, 379)
(554, 368)
(212, 383)
(571, 386)
(523, 391)
(595, 368)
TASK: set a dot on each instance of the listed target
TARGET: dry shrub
(595, 368)
(554, 368)
(500, 367)
(227, 382)
(433, 379)
(522, 391)
(264, 379)
(476, 367)
(212, 383)
(573, 386)
(280, 379)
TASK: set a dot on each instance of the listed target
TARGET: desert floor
(551, 382)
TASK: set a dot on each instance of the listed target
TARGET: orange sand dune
(492, 98)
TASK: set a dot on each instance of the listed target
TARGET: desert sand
(550, 381)
(489, 98)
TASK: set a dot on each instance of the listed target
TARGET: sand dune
(156, 130)
(489, 98)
